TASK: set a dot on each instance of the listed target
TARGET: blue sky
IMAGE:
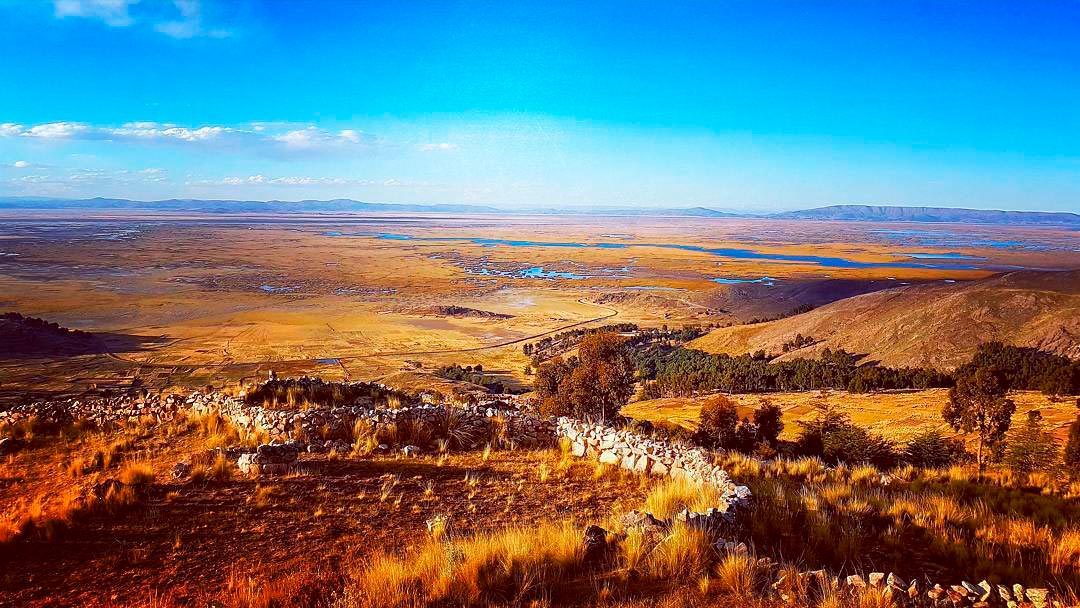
(752, 105)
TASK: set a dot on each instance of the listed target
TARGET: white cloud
(439, 147)
(272, 139)
(263, 180)
(153, 130)
(57, 130)
(313, 137)
(350, 135)
(114, 13)
(20, 164)
(181, 19)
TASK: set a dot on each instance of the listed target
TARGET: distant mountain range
(876, 213)
(865, 213)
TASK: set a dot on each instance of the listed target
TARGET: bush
(717, 423)
(768, 418)
(932, 450)
(1031, 448)
(832, 437)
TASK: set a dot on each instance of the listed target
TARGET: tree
(978, 404)
(768, 418)
(717, 423)
(549, 377)
(595, 384)
(1032, 448)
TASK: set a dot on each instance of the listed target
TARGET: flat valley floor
(191, 300)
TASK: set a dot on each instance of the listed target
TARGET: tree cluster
(719, 427)
(471, 373)
(563, 342)
(799, 341)
(594, 385)
(1024, 368)
(681, 372)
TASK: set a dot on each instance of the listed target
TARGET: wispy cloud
(438, 147)
(190, 23)
(259, 179)
(272, 139)
(180, 19)
(115, 13)
(263, 180)
(46, 180)
(21, 164)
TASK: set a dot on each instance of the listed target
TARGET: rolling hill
(933, 325)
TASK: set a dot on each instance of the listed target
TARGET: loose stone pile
(270, 459)
(901, 593)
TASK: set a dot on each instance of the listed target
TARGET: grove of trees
(681, 372)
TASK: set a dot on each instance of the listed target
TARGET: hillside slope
(932, 325)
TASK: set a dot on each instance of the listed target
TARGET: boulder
(181, 470)
(248, 464)
(594, 545)
(643, 521)
(10, 445)
(855, 581)
(609, 457)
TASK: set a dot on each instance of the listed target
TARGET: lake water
(728, 252)
(763, 280)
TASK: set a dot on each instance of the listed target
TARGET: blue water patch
(729, 252)
(763, 280)
(535, 272)
(328, 361)
(538, 272)
(272, 289)
(944, 256)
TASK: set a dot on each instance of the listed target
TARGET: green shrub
(931, 449)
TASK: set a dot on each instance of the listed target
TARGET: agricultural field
(895, 415)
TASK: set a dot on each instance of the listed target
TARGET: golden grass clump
(219, 432)
(684, 554)
(505, 566)
(738, 575)
(221, 470)
(264, 495)
(136, 473)
(674, 495)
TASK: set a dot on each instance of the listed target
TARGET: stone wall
(647, 456)
(475, 425)
(98, 411)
